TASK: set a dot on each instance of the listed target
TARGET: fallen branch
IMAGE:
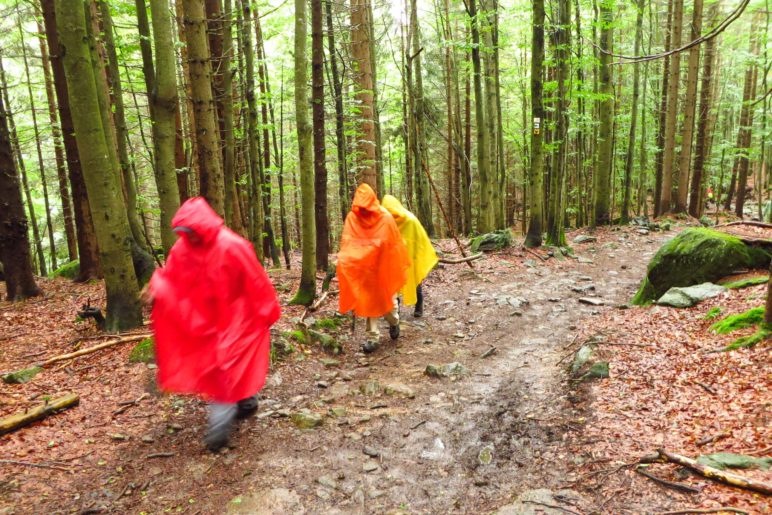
(553, 506)
(687, 511)
(670, 484)
(456, 261)
(160, 455)
(705, 440)
(128, 404)
(19, 420)
(746, 222)
(95, 348)
(715, 474)
(36, 465)
(706, 388)
(530, 251)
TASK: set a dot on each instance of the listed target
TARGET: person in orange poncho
(372, 265)
(213, 306)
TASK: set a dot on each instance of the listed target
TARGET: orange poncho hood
(373, 259)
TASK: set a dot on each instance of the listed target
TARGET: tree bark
(307, 289)
(212, 183)
(601, 177)
(362, 75)
(536, 172)
(690, 106)
(14, 236)
(625, 215)
(671, 118)
(112, 225)
(88, 251)
(340, 138)
(61, 166)
(317, 103)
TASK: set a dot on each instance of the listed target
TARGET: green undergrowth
(744, 283)
(328, 323)
(739, 321)
(68, 270)
(746, 342)
(297, 335)
(713, 313)
(143, 352)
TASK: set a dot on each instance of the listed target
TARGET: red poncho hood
(212, 312)
(373, 259)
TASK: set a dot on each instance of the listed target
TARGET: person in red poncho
(372, 265)
(213, 306)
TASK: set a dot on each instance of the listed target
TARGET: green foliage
(746, 342)
(695, 256)
(328, 323)
(21, 376)
(68, 270)
(739, 321)
(725, 460)
(713, 313)
(297, 335)
(143, 352)
(744, 283)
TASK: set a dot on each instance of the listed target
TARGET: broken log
(721, 476)
(745, 222)
(13, 422)
(456, 261)
(670, 484)
(83, 352)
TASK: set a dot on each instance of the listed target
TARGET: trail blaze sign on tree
(536, 125)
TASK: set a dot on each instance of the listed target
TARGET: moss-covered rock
(143, 352)
(725, 460)
(744, 283)
(327, 342)
(21, 376)
(495, 240)
(739, 321)
(68, 270)
(695, 256)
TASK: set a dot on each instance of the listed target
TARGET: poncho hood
(197, 215)
(366, 206)
(394, 207)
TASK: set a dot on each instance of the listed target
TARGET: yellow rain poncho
(419, 247)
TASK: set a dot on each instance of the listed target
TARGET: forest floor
(514, 434)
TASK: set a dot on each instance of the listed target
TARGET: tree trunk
(662, 120)
(38, 147)
(61, 167)
(625, 216)
(340, 138)
(317, 103)
(285, 238)
(485, 221)
(671, 118)
(536, 172)
(212, 183)
(14, 237)
(745, 132)
(703, 125)
(601, 214)
(690, 105)
(362, 74)
(467, 175)
(88, 251)
(163, 99)
(307, 289)
(112, 225)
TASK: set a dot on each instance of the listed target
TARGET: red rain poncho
(212, 312)
(373, 259)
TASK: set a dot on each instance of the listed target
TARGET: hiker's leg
(419, 306)
(221, 417)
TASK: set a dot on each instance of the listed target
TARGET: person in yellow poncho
(419, 247)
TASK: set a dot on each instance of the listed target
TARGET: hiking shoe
(217, 439)
(419, 311)
(246, 407)
(369, 346)
(394, 331)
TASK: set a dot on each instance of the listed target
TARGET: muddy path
(392, 439)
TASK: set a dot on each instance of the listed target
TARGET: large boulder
(696, 256)
(495, 240)
(689, 296)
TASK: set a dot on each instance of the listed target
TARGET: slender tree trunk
(232, 211)
(536, 173)
(212, 183)
(340, 138)
(362, 74)
(690, 106)
(745, 132)
(38, 146)
(467, 179)
(88, 252)
(61, 166)
(317, 103)
(112, 225)
(307, 289)
(671, 119)
(285, 238)
(601, 214)
(14, 236)
(625, 216)
(485, 221)
(662, 121)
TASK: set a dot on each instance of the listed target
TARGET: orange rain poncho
(373, 260)
(213, 309)
(419, 247)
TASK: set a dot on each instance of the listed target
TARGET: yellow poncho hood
(419, 247)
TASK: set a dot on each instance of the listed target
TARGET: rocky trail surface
(488, 428)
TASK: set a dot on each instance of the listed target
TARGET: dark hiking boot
(216, 439)
(370, 346)
(394, 331)
(246, 407)
(419, 311)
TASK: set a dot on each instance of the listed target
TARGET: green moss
(327, 342)
(695, 256)
(713, 313)
(749, 341)
(297, 335)
(739, 321)
(68, 270)
(143, 352)
(21, 376)
(328, 323)
(495, 240)
(744, 283)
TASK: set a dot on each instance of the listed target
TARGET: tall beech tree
(317, 107)
(536, 172)
(602, 175)
(102, 182)
(364, 87)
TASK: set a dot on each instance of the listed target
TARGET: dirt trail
(392, 440)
